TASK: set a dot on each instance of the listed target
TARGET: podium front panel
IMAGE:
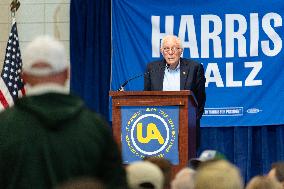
(149, 131)
(184, 101)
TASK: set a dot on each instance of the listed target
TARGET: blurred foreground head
(184, 179)
(277, 172)
(45, 61)
(219, 174)
(262, 182)
(165, 166)
(144, 175)
(205, 156)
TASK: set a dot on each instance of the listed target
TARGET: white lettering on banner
(206, 35)
(157, 35)
(236, 26)
(235, 30)
(213, 75)
(216, 78)
(187, 24)
(231, 34)
(275, 38)
(256, 67)
(230, 76)
(254, 34)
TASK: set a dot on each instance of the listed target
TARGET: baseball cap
(206, 155)
(44, 49)
(142, 173)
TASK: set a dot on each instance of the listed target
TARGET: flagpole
(11, 84)
(14, 6)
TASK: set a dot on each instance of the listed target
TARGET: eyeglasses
(173, 49)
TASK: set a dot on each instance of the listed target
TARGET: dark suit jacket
(191, 78)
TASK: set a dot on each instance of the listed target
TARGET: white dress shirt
(172, 79)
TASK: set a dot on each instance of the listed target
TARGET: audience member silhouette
(49, 136)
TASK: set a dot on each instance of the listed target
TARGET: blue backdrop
(252, 149)
(240, 49)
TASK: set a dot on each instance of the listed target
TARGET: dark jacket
(51, 138)
(191, 78)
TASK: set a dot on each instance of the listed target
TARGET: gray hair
(167, 37)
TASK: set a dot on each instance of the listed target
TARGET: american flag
(11, 83)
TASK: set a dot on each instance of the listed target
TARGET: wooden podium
(186, 103)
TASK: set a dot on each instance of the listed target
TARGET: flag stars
(12, 64)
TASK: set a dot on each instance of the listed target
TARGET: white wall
(35, 17)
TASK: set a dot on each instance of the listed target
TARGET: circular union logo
(151, 133)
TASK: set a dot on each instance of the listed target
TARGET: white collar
(176, 68)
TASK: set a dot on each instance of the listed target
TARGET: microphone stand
(121, 88)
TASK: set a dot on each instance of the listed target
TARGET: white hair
(167, 37)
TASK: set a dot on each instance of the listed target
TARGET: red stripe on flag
(23, 91)
(3, 100)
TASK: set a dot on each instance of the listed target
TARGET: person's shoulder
(190, 62)
(11, 117)
(6, 114)
(94, 117)
(156, 62)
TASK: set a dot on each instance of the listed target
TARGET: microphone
(121, 88)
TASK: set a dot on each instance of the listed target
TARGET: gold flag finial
(14, 6)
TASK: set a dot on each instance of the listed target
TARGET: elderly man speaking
(174, 73)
